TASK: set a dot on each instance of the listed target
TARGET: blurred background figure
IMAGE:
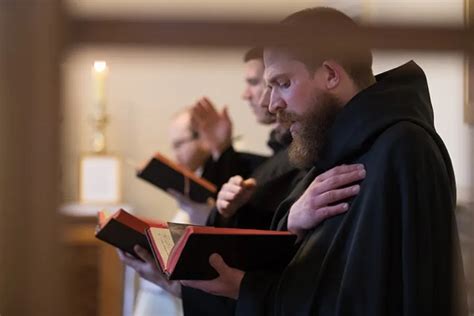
(191, 152)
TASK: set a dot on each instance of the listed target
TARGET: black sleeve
(260, 210)
(229, 164)
(276, 178)
(256, 293)
(395, 252)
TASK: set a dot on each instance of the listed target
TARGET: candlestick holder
(100, 172)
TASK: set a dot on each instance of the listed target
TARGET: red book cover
(187, 257)
(123, 230)
(166, 174)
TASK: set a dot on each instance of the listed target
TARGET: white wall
(445, 79)
(448, 12)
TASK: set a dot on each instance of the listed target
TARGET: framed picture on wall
(469, 69)
(99, 181)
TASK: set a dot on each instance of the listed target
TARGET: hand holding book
(226, 284)
(182, 251)
(233, 194)
(148, 270)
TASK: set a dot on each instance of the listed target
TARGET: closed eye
(284, 84)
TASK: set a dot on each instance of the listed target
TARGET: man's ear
(332, 74)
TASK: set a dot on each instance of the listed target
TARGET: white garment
(152, 299)
(181, 217)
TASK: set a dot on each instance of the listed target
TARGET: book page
(177, 230)
(163, 242)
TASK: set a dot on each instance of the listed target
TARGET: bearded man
(395, 251)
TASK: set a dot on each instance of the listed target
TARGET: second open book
(182, 251)
(167, 174)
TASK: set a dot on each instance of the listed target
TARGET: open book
(166, 174)
(182, 251)
(124, 230)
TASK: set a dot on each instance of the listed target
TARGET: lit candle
(99, 74)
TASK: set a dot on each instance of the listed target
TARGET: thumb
(175, 194)
(216, 261)
(225, 113)
(250, 183)
(237, 180)
(179, 197)
(143, 253)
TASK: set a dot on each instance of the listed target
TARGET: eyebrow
(270, 80)
(252, 80)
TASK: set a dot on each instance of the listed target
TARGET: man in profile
(395, 251)
(251, 202)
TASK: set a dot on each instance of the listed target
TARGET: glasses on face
(180, 142)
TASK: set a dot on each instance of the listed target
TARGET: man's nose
(246, 94)
(276, 103)
(265, 99)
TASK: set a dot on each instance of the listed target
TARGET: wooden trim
(160, 32)
(79, 234)
(31, 279)
(469, 68)
(111, 273)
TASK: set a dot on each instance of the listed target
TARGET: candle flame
(100, 66)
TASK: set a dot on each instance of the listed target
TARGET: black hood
(400, 94)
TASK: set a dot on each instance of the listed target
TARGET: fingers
(143, 254)
(198, 112)
(233, 194)
(333, 196)
(228, 195)
(200, 116)
(204, 113)
(231, 187)
(176, 195)
(206, 286)
(181, 199)
(121, 254)
(340, 181)
(188, 283)
(225, 114)
(222, 206)
(250, 183)
(340, 178)
(134, 263)
(338, 170)
(204, 109)
(208, 106)
(211, 286)
(328, 212)
(216, 261)
(237, 180)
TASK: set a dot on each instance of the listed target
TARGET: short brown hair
(312, 51)
(254, 53)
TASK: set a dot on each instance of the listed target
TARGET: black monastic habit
(275, 179)
(396, 250)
